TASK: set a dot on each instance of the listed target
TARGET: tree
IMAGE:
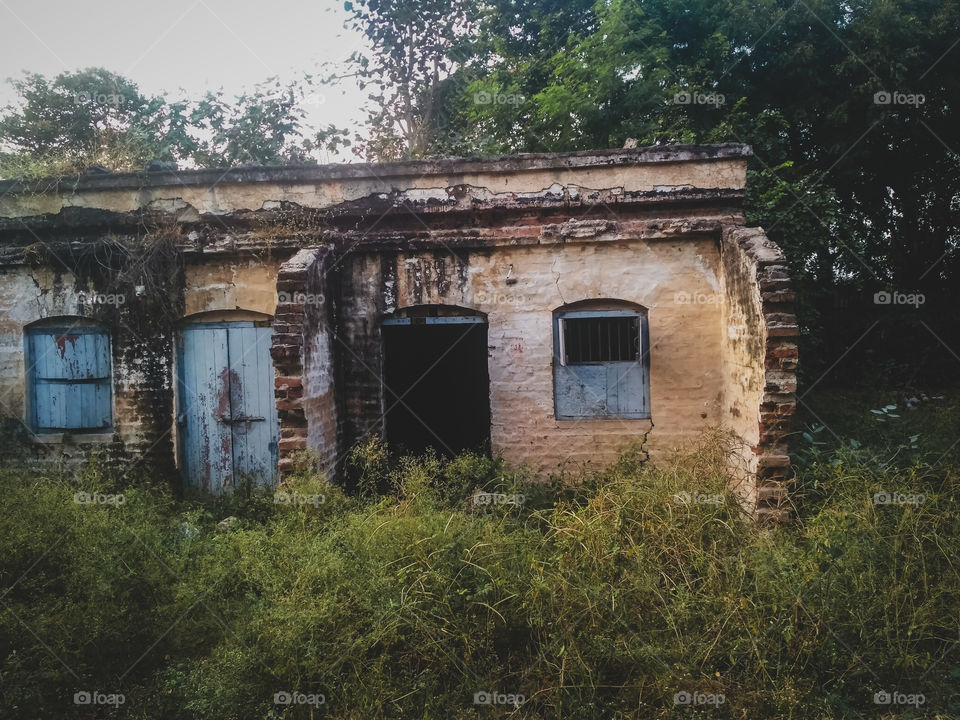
(90, 117)
(859, 188)
(415, 46)
(94, 117)
(264, 126)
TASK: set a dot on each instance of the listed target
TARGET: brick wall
(141, 341)
(760, 361)
(302, 351)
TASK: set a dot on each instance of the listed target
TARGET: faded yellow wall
(686, 360)
(232, 284)
(186, 201)
(720, 321)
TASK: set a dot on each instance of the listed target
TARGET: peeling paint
(512, 240)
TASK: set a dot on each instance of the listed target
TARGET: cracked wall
(329, 252)
(518, 290)
(760, 360)
(141, 360)
(504, 181)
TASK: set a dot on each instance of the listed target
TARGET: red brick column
(287, 351)
(779, 392)
(761, 263)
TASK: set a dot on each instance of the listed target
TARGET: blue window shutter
(69, 378)
(580, 391)
(626, 389)
(602, 388)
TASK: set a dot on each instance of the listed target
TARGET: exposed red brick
(294, 443)
(287, 382)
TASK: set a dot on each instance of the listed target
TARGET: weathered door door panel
(227, 418)
(252, 406)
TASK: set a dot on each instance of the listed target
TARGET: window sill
(618, 418)
(73, 438)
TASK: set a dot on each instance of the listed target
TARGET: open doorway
(436, 386)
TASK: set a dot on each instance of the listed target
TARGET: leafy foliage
(601, 598)
(858, 187)
(414, 48)
(90, 117)
(94, 117)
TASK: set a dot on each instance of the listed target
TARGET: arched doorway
(436, 384)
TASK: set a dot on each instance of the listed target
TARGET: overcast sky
(195, 45)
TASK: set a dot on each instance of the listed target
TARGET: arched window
(601, 361)
(68, 376)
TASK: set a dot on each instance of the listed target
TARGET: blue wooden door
(227, 416)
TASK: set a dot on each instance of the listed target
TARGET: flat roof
(354, 171)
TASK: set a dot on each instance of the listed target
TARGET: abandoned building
(549, 308)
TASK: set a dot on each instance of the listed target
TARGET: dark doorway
(437, 387)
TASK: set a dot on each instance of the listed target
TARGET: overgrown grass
(600, 598)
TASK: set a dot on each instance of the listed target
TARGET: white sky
(196, 45)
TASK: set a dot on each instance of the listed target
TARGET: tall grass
(607, 597)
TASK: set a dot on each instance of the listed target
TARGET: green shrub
(602, 597)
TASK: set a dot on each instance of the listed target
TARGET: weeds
(620, 595)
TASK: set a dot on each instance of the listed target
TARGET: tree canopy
(67, 124)
(850, 108)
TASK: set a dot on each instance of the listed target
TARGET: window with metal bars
(600, 339)
(601, 368)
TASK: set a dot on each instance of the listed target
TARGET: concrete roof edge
(354, 171)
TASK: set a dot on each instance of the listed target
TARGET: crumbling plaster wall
(141, 353)
(231, 283)
(27, 295)
(142, 343)
(305, 384)
(686, 364)
(721, 327)
(415, 182)
(760, 359)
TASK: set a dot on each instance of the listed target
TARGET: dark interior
(437, 387)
